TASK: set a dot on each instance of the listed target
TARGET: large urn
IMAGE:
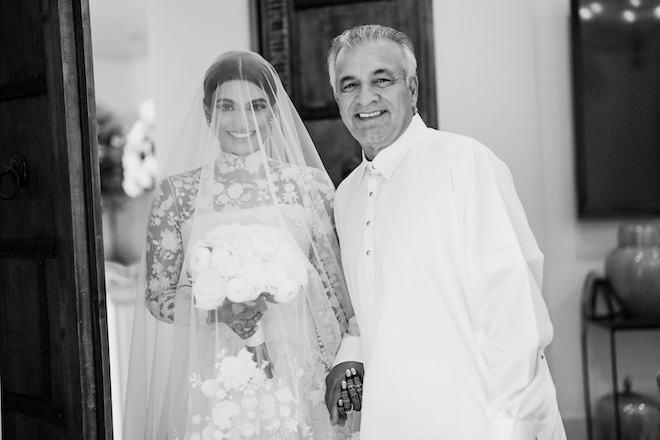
(639, 416)
(633, 269)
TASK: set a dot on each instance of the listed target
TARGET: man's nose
(366, 95)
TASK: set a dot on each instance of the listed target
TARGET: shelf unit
(600, 308)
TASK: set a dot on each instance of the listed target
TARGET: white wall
(121, 84)
(183, 39)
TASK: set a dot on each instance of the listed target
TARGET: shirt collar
(388, 158)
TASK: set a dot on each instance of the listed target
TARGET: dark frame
(615, 178)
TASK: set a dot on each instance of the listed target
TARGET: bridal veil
(242, 216)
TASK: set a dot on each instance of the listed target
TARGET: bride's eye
(258, 106)
(224, 106)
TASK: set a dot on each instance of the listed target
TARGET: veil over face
(242, 221)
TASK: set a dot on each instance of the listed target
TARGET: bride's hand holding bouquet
(236, 270)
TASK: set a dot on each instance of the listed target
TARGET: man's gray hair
(372, 33)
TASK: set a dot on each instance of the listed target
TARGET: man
(442, 268)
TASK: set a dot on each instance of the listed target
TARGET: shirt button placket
(372, 188)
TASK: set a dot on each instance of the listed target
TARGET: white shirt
(445, 278)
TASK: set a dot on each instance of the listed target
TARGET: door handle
(16, 171)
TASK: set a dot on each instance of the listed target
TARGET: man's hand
(344, 391)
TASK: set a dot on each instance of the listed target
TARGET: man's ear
(414, 91)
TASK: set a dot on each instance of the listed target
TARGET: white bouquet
(244, 403)
(235, 266)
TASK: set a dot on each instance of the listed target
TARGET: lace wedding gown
(302, 336)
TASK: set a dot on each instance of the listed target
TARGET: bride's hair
(237, 65)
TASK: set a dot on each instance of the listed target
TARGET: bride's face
(241, 116)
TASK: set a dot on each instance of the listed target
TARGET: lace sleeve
(164, 254)
(326, 257)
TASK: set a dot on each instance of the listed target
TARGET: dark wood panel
(33, 85)
(24, 336)
(21, 33)
(341, 153)
(313, 94)
(25, 124)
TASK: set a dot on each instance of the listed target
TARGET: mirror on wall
(616, 66)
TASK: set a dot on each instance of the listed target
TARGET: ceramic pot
(639, 416)
(633, 269)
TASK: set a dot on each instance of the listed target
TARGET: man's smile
(370, 115)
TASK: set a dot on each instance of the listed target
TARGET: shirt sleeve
(510, 318)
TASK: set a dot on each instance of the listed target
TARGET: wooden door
(295, 35)
(53, 347)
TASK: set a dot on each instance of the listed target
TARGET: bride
(244, 299)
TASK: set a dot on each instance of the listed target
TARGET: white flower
(207, 433)
(236, 371)
(210, 388)
(274, 274)
(209, 290)
(249, 402)
(286, 291)
(235, 190)
(285, 411)
(243, 248)
(267, 406)
(299, 273)
(248, 429)
(254, 275)
(227, 265)
(169, 241)
(217, 188)
(222, 413)
(200, 260)
(284, 395)
(264, 242)
(239, 291)
(196, 419)
(283, 254)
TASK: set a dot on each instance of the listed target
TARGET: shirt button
(368, 252)
(368, 222)
(371, 193)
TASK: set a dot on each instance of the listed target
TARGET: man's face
(374, 100)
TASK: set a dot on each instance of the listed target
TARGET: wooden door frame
(80, 323)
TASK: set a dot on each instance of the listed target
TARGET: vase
(633, 269)
(639, 416)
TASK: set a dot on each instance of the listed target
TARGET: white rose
(254, 275)
(274, 274)
(242, 247)
(200, 260)
(283, 254)
(264, 242)
(286, 292)
(239, 291)
(227, 265)
(209, 290)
